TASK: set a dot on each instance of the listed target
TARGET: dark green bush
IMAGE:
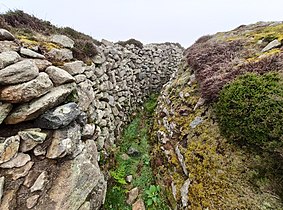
(134, 42)
(250, 109)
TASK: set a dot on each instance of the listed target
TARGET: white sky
(150, 21)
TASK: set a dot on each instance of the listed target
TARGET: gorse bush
(250, 109)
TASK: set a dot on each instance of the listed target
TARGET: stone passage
(56, 118)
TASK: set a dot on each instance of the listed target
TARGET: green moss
(249, 109)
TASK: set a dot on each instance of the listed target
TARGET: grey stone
(39, 150)
(25, 92)
(32, 201)
(6, 35)
(133, 152)
(80, 78)
(65, 142)
(30, 53)
(99, 71)
(132, 195)
(9, 57)
(42, 64)
(22, 71)
(39, 182)
(2, 181)
(9, 148)
(62, 40)
(8, 46)
(60, 54)
(86, 94)
(78, 180)
(18, 161)
(85, 206)
(30, 139)
(4, 111)
(75, 67)
(59, 76)
(196, 122)
(181, 160)
(88, 131)
(99, 58)
(275, 43)
(184, 192)
(58, 117)
(17, 173)
(33, 109)
(129, 178)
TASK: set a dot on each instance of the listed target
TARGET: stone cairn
(55, 121)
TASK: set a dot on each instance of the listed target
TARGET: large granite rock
(59, 76)
(59, 117)
(7, 58)
(33, 109)
(27, 91)
(86, 94)
(78, 180)
(30, 53)
(62, 40)
(22, 71)
(6, 35)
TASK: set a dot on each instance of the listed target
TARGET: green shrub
(250, 109)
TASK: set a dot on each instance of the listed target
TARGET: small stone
(9, 148)
(132, 196)
(181, 160)
(39, 150)
(7, 58)
(20, 160)
(75, 67)
(99, 59)
(22, 71)
(32, 201)
(8, 46)
(25, 92)
(133, 152)
(30, 53)
(42, 64)
(2, 181)
(88, 131)
(129, 178)
(20, 172)
(39, 182)
(138, 205)
(196, 122)
(59, 117)
(59, 76)
(4, 111)
(62, 40)
(60, 54)
(31, 138)
(275, 43)
(6, 35)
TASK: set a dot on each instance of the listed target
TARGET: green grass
(136, 135)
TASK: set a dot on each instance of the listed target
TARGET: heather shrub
(131, 41)
(250, 109)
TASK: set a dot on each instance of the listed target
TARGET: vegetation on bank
(136, 136)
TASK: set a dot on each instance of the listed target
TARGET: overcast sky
(150, 21)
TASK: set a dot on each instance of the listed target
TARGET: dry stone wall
(55, 120)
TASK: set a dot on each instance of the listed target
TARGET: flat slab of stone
(39, 182)
(30, 139)
(59, 76)
(275, 43)
(58, 117)
(6, 35)
(33, 109)
(18, 161)
(30, 53)
(9, 57)
(5, 110)
(9, 148)
(8, 46)
(22, 71)
(27, 91)
(62, 40)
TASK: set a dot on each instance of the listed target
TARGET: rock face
(53, 119)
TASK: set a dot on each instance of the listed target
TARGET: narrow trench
(132, 166)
